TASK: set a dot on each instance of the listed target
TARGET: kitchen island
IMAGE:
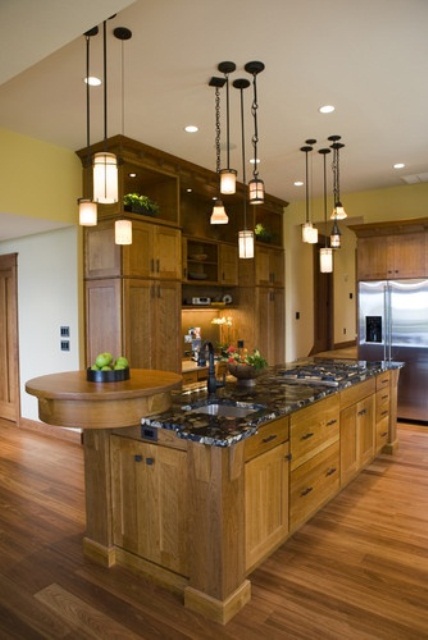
(205, 491)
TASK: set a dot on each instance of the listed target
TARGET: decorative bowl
(116, 375)
(245, 373)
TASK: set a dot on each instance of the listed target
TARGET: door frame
(323, 304)
(9, 262)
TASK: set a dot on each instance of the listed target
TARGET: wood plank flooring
(357, 570)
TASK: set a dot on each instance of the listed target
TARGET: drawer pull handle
(269, 438)
(138, 458)
(385, 397)
(331, 471)
(330, 422)
(384, 413)
(362, 412)
(306, 491)
(307, 436)
(385, 433)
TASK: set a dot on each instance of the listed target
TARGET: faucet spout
(212, 383)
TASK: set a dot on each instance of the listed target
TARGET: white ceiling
(368, 58)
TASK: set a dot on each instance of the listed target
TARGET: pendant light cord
(105, 79)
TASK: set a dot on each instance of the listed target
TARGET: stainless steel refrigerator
(393, 325)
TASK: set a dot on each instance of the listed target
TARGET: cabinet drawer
(313, 483)
(313, 429)
(382, 404)
(357, 392)
(382, 429)
(383, 380)
(269, 435)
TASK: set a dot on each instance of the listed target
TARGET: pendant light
(309, 232)
(335, 241)
(228, 175)
(123, 232)
(122, 228)
(256, 187)
(339, 212)
(246, 236)
(326, 253)
(88, 208)
(105, 175)
(218, 215)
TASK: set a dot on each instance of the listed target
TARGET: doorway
(9, 367)
(323, 304)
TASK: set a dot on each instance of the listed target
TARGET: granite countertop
(277, 392)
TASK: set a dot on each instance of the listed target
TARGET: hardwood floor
(357, 570)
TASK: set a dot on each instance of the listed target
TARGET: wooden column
(217, 585)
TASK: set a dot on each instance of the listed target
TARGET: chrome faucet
(212, 383)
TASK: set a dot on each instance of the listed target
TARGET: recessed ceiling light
(399, 165)
(327, 108)
(92, 81)
(132, 175)
(299, 183)
(191, 128)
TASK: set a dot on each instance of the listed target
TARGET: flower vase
(246, 374)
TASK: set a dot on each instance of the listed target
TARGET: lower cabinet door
(149, 489)
(313, 483)
(266, 503)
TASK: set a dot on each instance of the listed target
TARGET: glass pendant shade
(326, 260)
(228, 181)
(246, 244)
(309, 233)
(339, 212)
(87, 212)
(219, 215)
(105, 178)
(123, 232)
(256, 191)
(335, 242)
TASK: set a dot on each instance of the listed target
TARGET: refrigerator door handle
(388, 320)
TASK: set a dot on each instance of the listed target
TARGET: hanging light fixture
(246, 236)
(339, 212)
(218, 215)
(326, 253)
(335, 241)
(228, 175)
(105, 175)
(123, 232)
(88, 208)
(256, 187)
(309, 232)
(123, 228)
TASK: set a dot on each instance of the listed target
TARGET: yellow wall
(395, 203)
(39, 180)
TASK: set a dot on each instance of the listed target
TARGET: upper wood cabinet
(388, 251)
(209, 262)
(155, 252)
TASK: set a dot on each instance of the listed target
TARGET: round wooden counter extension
(69, 400)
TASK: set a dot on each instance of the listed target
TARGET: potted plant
(262, 233)
(140, 204)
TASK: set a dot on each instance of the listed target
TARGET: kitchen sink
(238, 410)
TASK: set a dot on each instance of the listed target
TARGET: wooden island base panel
(199, 518)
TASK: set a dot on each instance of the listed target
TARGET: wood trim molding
(61, 433)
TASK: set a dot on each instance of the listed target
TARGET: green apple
(121, 363)
(94, 368)
(103, 359)
(106, 368)
(119, 367)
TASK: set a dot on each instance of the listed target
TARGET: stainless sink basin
(226, 410)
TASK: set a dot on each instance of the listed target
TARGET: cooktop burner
(326, 373)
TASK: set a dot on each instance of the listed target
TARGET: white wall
(48, 297)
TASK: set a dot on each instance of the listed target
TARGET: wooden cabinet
(357, 419)
(154, 253)
(392, 249)
(206, 262)
(266, 491)
(269, 265)
(315, 459)
(382, 408)
(136, 317)
(150, 502)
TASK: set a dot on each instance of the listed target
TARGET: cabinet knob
(150, 461)
(138, 458)
(362, 412)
